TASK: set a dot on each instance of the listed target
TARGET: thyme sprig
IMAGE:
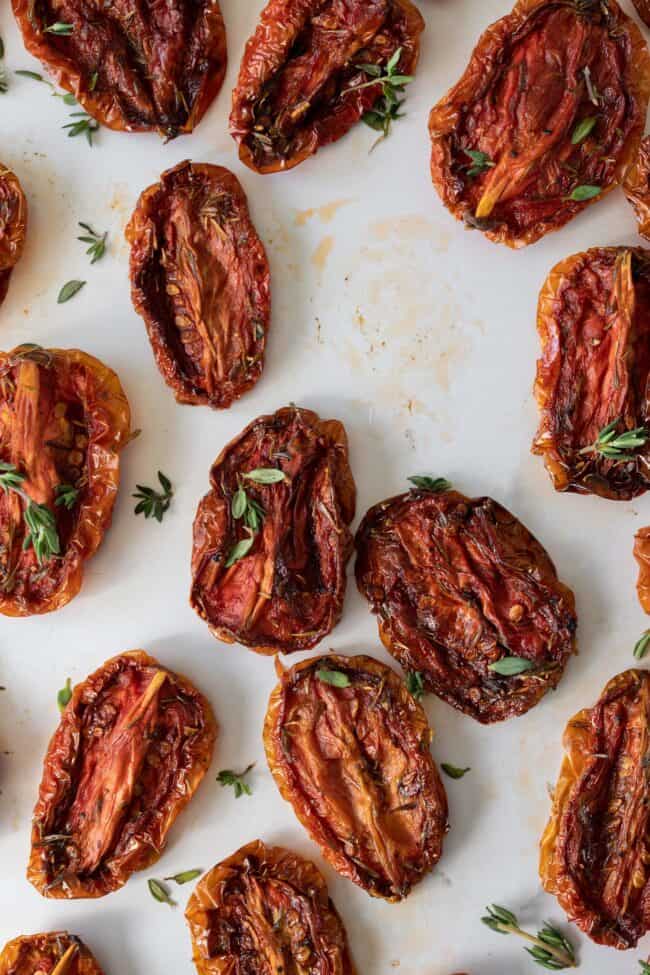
(645, 968)
(237, 780)
(82, 124)
(415, 684)
(152, 503)
(387, 108)
(42, 534)
(66, 495)
(249, 510)
(617, 446)
(97, 242)
(550, 948)
(481, 162)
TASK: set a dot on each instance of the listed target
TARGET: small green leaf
(511, 666)
(66, 495)
(160, 892)
(34, 75)
(453, 771)
(426, 483)
(239, 550)
(69, 290)
(152, 503)
(583, 129)
(641, 646)
(64, 695)
(236, 780)
(581, 193)
(334, 677)
(93, 81)
(266, 475)
(185, 877)
(64, 30)
(415, 684)
(645, 968)
(239, 503)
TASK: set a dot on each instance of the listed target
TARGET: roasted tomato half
(132, 66)
(55, 953)
(547, 117)
(637, 187)
(64, 418)
(271, 539)
(266, 910)
(200, 280)
(642, 556)
(594, 851)
(467, 598)
(13, 226)
(130, 751)
(594, 325)
(348, 747)
(301, 76)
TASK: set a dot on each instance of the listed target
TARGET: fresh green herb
(581, 193)
(69, 290)
(247, 508)
(64, 695)
(387, 108)
(453, 771)
(550, 948)
(645, 968)
(66, 495)
(241, 549)
(480, 162)
(414, 682)
(92, 84)
(67, 97)
(160, 892)
(236, 780)
(583, 129)
(34, 75)
(63, 30)
(85, 125)
(511, 666)
(641, 646)
(185, 876)
(426, 483)
(334, 677)
(154, 503)
(97, 242)
(40, 521)
(266, 475)
(615, 446)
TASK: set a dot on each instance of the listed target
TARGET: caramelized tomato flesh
(39, 954)
(354, 762)
(594, 323)
(266, 910)
(13, 226)
(459, 584)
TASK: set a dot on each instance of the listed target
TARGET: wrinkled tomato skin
(520, 102)
(132, 67)
(265, 910)
(642, 556)
(130, 751)
(64, 419)
(287, 592)
(39, 954)
(13, 226)
(200, 280)
(296, 87)
(594, 850)
(637, 187)
(354, 762)
(458, 584)
(643, 10)
(594, 325)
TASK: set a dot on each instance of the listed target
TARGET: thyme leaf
(85, 125)
(241, 549)
(426, 483)
(453, 771)
(64, 695)
(334, 677)
(154, 503)
(550, 948)
(582, 193)
(10, 477)
(69, 290)
(63, 30)
(642, 645)
(66, 495)
(386, 109)
(159, 892)
(511, 666)
(415, 684)
(236, 779)
(185, 876)
(266, 475)
(583, 129)
(42, 533)
(97, 242)
(481, 162)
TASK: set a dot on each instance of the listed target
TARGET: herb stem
(557, 953)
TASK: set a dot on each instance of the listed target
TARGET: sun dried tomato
(55, 953)
(64, 418)
(594, 324)
(271, 539)
(348, 747)
(298, 81)
(460, 584)
(594, 849)
(643, 10)
(130, 751)
(134, 67)
(262, 910)
(642, 556)
(637, 187)
(13, 226)
(200, 280)
(547, 116)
